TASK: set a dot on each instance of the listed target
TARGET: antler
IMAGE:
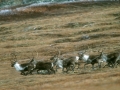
(59, 52)
(82, 52)
(36, 53)
(33, 55)
(100, 51)
(14, 55)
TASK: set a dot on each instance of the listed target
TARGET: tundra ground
(70, 28)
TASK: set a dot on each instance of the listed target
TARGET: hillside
(14, 3)
(69, 28)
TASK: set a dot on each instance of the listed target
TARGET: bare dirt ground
(69, 28)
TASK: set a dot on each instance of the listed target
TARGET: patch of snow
(7, 12)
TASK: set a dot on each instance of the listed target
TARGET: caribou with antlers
(112, 59)
(89, 59)
(23, 68)
(41, 65)
(65, 63)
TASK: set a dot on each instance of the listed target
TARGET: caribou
(68, 63)
(111, 59)
(40, 65)
(28, 68)
(60, 62)
(57, 62)
(43, 65)
(117, 61)
(23, 68)
(89, 59)
(71, 61)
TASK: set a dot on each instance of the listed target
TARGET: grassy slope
(64, 27)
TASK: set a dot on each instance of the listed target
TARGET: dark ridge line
(96, 30)
(90, 37)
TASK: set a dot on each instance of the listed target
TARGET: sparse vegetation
(68, 27)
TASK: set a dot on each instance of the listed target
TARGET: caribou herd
(67, 64)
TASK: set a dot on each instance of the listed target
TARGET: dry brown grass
(64, 27)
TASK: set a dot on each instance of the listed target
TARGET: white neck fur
(77, 58)
(59, 63)
(18, 67)
(85, 57)
(104, 58)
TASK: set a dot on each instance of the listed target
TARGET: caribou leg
(49, 71)
(52, 70)
(100, 63)
(78, 66)
(67, 69)
(85, 65)
(23, 73)
(92, 66)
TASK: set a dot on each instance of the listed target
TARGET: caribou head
(83, 56)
